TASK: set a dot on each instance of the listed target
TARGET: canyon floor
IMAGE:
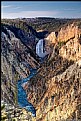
(55, 89)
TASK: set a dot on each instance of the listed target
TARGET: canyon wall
(55, 91)
(56, 98)
(71, 50)
(64, 34)
(16, 61)
(62, 99)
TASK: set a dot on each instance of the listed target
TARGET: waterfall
(40, 49)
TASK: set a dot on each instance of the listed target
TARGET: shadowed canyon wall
(55, 91)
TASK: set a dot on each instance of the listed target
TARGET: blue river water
(22, 96)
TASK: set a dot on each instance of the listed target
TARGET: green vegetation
(15, 96)
(13, 119)
(50, 61)
(2, 107)
(60, 44)
(16, 78)
(43, 23)
(3, 116)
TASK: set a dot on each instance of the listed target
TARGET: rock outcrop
(62, 97)
(64, 34)
(72, 49)
(55, 90)
(16, 60)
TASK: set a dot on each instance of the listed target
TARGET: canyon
(55, 90)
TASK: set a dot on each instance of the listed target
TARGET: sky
(32, 9)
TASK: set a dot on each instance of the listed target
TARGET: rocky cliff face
(64, 34)
(57, 97)
(62, 98)
(72, 49)
(17, 59)
(55, 91)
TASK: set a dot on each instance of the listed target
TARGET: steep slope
(17, 58)
(55, 90)
(65, 33)
(62, 98)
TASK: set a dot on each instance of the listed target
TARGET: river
(22, 96)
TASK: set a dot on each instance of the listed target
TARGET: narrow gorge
(41, 73)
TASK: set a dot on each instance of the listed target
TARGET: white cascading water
(40, 48)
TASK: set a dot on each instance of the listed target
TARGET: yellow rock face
(65, 100)
(72, 50)
(64, 34)
(61, 101)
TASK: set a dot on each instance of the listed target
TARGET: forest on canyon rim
(55, 89)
